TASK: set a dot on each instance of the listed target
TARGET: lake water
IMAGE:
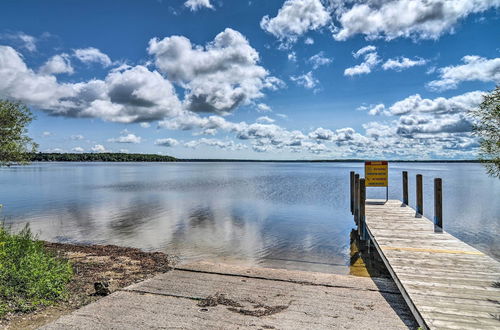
(285, 215)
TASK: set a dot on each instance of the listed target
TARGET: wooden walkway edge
(446, 283)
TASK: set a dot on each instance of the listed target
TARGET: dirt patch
(260, 310)
(254, 309)
(118, 266)
(218, 299)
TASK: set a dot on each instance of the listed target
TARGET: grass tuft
(29, 275)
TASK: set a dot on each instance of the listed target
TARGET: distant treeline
(99, 157)
(123, 157)
(329, 161)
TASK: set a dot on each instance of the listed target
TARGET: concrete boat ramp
(219, 296)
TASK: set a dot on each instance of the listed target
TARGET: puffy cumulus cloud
(98, 148)
(262, 107)
(370, 61)
(339, 136)
(322, 134)
(402, 63)
(126, 138)
(92, 55)
(128, 94)
(167, 142)
(376, 130)
(474, 68)
(77, 149)
(218, 77)
(319, 60)
(295, 18)
(418, 19)
(265, 119)
(306, 80)
(21, 39)
(145, 125)
(309, 41)
(228, 145)
(57, 64)
(416, 104)
(194, 5)
(424, 123)
(423, 134)
(21, 83)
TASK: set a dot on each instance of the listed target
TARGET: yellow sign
(376, 174)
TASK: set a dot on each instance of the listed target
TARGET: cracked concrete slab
(217, 296)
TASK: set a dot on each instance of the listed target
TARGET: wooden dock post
(362, 199)
(405, 187)
(438, 206)
(352, 192)
(420, 197)
(356, 198)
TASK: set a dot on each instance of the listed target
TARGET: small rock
(101, 288)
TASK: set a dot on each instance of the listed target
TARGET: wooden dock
(446, 283)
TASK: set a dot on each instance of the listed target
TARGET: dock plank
(447, 283)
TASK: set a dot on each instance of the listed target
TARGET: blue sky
(295, 79)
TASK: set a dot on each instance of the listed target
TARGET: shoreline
(118, 266)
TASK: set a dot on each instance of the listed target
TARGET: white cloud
(295, 18)
(57, 64)
(419, 19)
(145, 125)
(46, 134)
(131, 94)
(292, 56)
(21, 83)
(218, 77)
(262, 107)
(364, 50)
(306, 80)
(195, 5)
(416, 104)
(321, 134)
(309, 41)
(167, 142)
(228, 145)
(474, 68)
(402, 63)
(410, 125)
(98, 148)
(126, 138)
(21, 39)
(77, 137)
(319, 60)
(92, 55)
(370, 61)
(265, 119)
(77, 149)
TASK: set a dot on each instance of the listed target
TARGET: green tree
(15, 144)
(487, 128)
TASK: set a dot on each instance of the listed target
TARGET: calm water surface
(288, 215)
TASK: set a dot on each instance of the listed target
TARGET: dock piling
(352, 191)
(420, 198)
(405, 187)
(356, 198)
(362, 199)
(438, 206)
